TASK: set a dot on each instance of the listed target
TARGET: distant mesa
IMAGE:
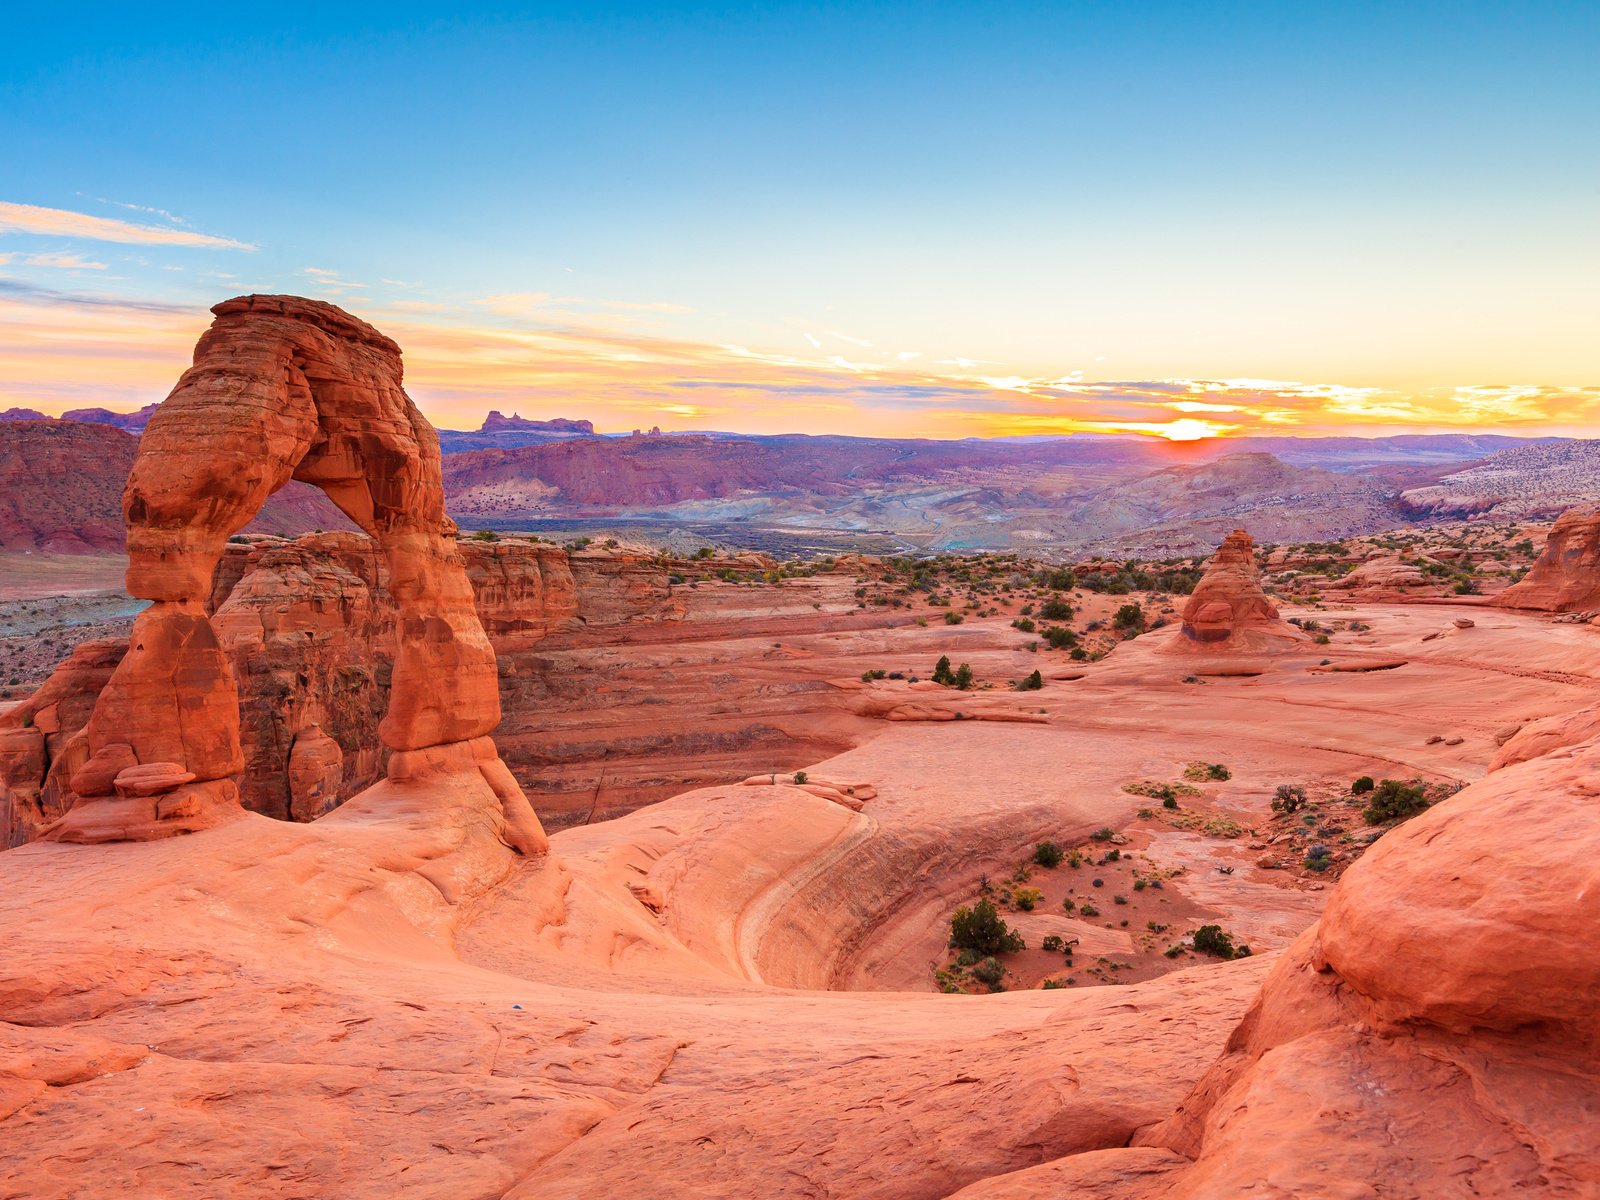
(133, 422)
(498, 422)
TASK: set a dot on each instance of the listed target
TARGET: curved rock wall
(1566, 576)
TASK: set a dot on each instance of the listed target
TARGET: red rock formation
(281, 388)
(1566, 577)
(497, 422)
(42, 743)
(1443, 1008)
(1228, 611)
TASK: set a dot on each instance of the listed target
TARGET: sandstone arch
(281, 388)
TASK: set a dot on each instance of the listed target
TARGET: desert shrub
(674, 578)
(1169, 802)
(1048, 854)
(1024, 624)
(1212, 940)
(981, 929)
(1059, 636)
(1051, 943)
(1112, 855)
(1104, 834)
(800, 777)
(1026, 898)
(1088, 910)
(869, 676)
(1394, 801)
(1068, 904)
(1051, 985)
(989, 971)
(1031, 683)
(1289, 798)
(1318, 858)
(953, 618)
(963, 677)
(1362, 786)
(1129, 616)
(1056, 610)
(942, 672)
(1060, 580)
(1204, 770)
(486, 535)
(1119, 899)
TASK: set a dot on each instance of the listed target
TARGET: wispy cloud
(510, 352)
(63, 261)
(60, 222)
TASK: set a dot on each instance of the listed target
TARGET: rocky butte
(1566, 577)
(729, 993)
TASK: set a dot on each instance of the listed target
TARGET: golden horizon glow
(59, 352)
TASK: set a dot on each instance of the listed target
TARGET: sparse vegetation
(982, 930)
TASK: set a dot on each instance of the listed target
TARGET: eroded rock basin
(728, 994)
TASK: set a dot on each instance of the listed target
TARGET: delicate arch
(281, 388)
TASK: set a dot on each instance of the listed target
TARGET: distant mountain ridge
(1117, 494)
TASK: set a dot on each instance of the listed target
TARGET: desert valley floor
(726, 993)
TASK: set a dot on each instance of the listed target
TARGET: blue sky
(1391, 201)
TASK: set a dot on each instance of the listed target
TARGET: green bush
(1212, 940)
(989, 971)
(963, 677)
(1395, 801)
(1056, 610)
(1051, 944)
(1027, 898)
(1129, 616)
(981, 929)
(942, 672)
(1362, 786)
(1048, 854)
(953, 618)
(1088, 910)
(1289, 798)
(1031, 683)
(1104, 834)
(1059, 636)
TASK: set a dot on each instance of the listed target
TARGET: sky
(937, 220)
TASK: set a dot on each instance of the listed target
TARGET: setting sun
(1188, 429)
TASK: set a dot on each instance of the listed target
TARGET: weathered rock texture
(1228, 611)
(281, 388)
(701, 695)
(1443, 1008)
(1566, 577)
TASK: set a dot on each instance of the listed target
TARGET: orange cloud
(59, 351)
(60, 222)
